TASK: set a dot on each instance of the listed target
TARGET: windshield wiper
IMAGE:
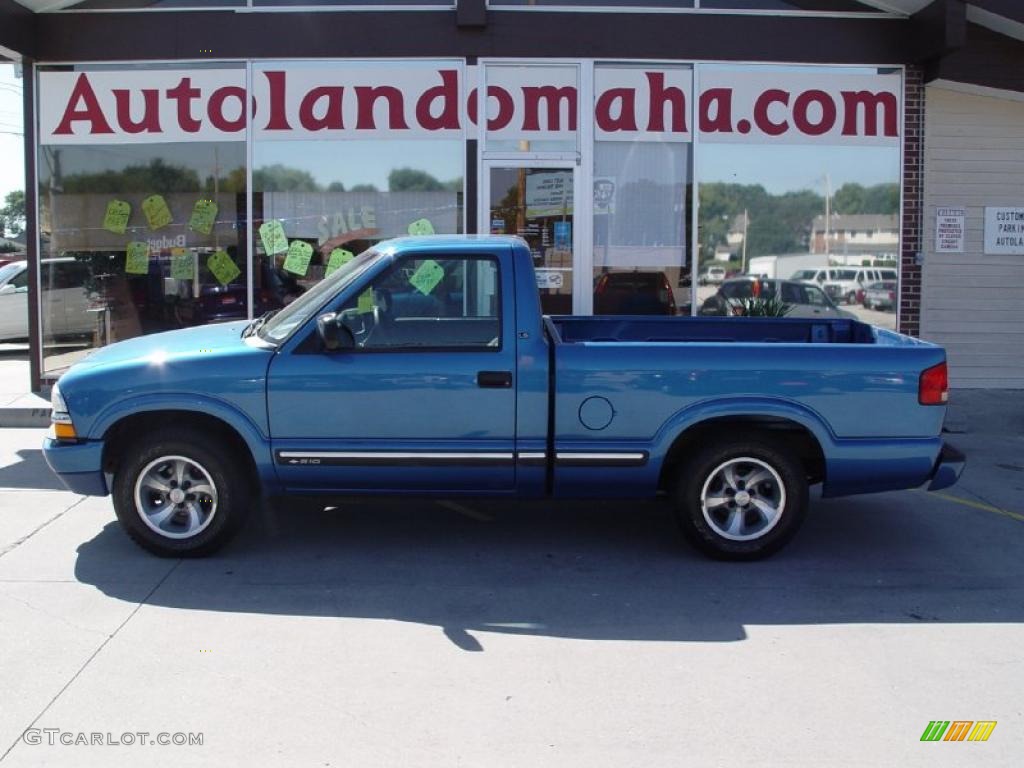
(258, 323)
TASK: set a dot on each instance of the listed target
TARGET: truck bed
(781, 330)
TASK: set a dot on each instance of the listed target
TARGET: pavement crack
(32, 533)
(52, 615)
(88, 661)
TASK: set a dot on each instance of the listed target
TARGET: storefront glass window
(799, 179)
(122, 5)
(642, 183)
(134, 237)
(342, 175)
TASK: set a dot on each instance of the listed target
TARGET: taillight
(892, 296)
(933, 388)
(601, 285)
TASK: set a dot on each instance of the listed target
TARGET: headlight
(60, 408)
(63, 429)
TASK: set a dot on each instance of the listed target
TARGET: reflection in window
(429, 303)
(641, 245)
(138, 239)
(800, 210)
(316, 204)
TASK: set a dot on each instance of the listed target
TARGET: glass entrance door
(537, 203)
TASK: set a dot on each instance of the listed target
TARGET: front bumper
(948, 468)
(78, 465)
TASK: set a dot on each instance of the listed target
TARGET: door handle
(494, 379)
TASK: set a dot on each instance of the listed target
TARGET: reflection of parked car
(803, 300)
(64, 299)
(217, 303)
(712, 276)
(880, 295)
(633, 293)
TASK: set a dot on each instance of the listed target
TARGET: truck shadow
(589, 570)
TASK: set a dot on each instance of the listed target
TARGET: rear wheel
(741, 499)
(178, 493)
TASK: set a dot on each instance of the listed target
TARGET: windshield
(9, 270)
(303, 308)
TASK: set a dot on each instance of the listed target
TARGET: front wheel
(741, 499)
(178, 493)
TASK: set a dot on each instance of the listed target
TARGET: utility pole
(746, 227)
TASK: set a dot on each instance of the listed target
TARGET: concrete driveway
(384, 633)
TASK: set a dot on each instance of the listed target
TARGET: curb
(24, 417)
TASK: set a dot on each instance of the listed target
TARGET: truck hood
(201, 340)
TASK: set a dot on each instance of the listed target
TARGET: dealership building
(192, 162)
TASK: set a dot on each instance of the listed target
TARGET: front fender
(257, 441)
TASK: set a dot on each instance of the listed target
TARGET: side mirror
(334, 333)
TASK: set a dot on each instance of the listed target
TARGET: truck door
(426, 399)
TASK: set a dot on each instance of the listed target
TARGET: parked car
(804, 300)
(881, 295)
(633, 293)
(65, 301)
(712, 276)
(732, 419)
(840, 284)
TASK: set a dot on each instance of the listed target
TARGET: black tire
(229, 480)
(706, 467)
(851, 298)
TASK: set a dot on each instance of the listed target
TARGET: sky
(12, 165)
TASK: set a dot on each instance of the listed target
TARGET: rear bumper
(948, 468)
(78, 465)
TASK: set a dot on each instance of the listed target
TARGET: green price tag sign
(297, 261)
(426, 278)
(222, 267)
(204, 216)
(421, 227)
(183, 264)
(116, 218)
(339, 258)
(158, 215)
(273, 237)
(137, 259)
(365, 303)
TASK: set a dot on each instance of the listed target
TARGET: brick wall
(913, 194)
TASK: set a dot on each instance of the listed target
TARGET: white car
(839, 283)
(63, 297)
(713, 276)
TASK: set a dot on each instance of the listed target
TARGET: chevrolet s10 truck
(424, 367)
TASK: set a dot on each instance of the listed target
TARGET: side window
(20, 280)
(792, 294)
(438, 302)
(815, 297)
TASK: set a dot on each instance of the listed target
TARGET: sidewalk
(18, 406)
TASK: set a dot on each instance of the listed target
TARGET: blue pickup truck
(425, 367)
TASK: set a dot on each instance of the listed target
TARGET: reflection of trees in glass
(155, 177)
(413, 180)
(281, 178)
(781, 223)
(855, 198)
(12, 215)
